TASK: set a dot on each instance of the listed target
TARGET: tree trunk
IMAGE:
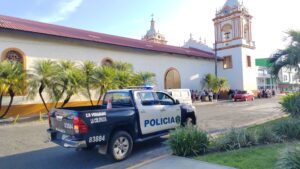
(66, 100)
(100, 95)
(1, 97)
(11, 94)
(41, 89)
(60, 95)
(89, 94)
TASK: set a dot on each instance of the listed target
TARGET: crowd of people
(266, 93)
(209, 95)
(204, 95)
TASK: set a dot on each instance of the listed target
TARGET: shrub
(289, 159)
(236, 139)
(188, 141)
(267, 136)
(291, 104)
(288, 129)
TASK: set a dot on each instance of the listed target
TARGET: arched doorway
(172, 79)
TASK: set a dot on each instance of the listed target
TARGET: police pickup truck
(125, 117)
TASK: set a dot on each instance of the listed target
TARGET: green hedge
(291, 104)
(188, 141)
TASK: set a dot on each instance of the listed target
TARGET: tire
(120, 146)
(189, 121)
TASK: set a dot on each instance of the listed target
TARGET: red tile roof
(12, 23)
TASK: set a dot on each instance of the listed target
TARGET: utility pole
(216, 59)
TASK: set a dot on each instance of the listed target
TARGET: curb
(148, 161)
(11, 121)
(199, 103)
(258, 122)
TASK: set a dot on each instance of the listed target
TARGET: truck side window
(165, 99)
(147, 98)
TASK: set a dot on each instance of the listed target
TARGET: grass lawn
(267, 124)
(262, 157)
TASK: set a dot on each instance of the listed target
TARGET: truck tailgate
(62, 121)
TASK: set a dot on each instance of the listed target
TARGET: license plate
(59, 118)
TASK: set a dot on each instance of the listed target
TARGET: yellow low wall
(35, 109)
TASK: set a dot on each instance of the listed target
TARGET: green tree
(142, 78)
(220, 84)
(12, 81)
(288, 57)
(88, 68)
(72, 78)
(211, 82)
(123, 74)
(105, 79)
(40, 78)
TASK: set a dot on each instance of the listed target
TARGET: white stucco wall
(191, 69)
(240, 76)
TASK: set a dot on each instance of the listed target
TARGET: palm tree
(220, 84)
(70, 79)
(123, 73)
(208, 81)
(105, 79)
(12, 81)
(88, 69)
(41, 77)
(143, 78)
(3, 85)
(289, 57)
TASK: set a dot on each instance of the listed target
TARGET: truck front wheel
(190, 121)
(120, 145)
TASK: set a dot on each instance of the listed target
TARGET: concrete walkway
(175, 162)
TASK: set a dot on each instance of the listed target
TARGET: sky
(176, 19)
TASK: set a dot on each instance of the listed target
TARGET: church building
(175, 67)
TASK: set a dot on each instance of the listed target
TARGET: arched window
(227, 32)
(172, 79)
(13, 54)
(107, 62)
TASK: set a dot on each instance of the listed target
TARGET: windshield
(242, 92)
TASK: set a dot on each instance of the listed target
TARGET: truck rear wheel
(120, 145)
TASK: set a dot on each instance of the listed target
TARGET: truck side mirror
(177, 101)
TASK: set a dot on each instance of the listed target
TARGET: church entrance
(172, 79)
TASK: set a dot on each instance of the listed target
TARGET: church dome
(232, 3)
(154, 36)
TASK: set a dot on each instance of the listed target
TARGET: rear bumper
(66, 141)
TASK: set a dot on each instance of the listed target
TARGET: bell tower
(233, 38)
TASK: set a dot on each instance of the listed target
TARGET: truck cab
(125, 117)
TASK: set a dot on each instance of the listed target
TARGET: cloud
(62, 11)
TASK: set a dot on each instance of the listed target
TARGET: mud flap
(102, 149)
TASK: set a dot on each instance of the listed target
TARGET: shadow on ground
(59, 157)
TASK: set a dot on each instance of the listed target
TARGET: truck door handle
(163, 110)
